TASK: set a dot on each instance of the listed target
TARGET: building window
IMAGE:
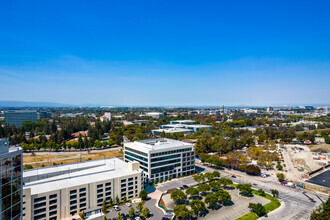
(52, 202)
(36, 212)
(52, 213)
(53, 196)
(36, 206)
(82, 200)
(73, 207)
(73, 197)
(99, 186)
(82, 194)
(73, 191)
(39, 199)
(73, 202)
(99, 190)
(39, 216)
(53, 207)
(82, 190)
(108, 184)
(123, 181)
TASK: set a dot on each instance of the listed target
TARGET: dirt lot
(51, 160)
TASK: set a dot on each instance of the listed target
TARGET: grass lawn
(249, 216)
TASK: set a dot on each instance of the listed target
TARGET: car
(185, 186)
(168, 214)
(116, 208)
(254, 184)
(233, 176)
(137, 218)
(128, 204)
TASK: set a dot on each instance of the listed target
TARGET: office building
(156, 115)
(11, 181)
(171, 131)
(17, 117)
(42, 115)
(161, 158)
(62, 192)
(105, 117)
(186, 126)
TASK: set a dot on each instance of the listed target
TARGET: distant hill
(17, 104)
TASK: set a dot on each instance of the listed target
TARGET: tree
(280, 176)
(274, 192)
(178, 196)
(143, 194)
(182, 212)
(145, 212)
(202, 188)
(105, 217)
(139, 206)
(244, 188)
(82, 215)
(192, 191)
(223, 196)
(124, 199)
(225, 181)
(214, 185)
(258, 208)
(211, 200)
(104, 207)
(117, 200)
(253, 170)
(119, 217)
(323, 212)
(261, 192)
(216, 173)
(209, 176)
(131, 212)
(197, 206)
(199, 177)
(110, 202)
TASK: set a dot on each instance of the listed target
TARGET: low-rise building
(61, 192)
(156, 115)
(161, 158)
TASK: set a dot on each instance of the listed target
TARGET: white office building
(61, 192)
(161, 158)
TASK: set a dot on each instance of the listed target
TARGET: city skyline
(166, 53)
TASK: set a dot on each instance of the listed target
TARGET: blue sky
(165, 52)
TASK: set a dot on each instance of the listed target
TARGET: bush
(258, 208)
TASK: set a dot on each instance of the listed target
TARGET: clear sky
(164, 52)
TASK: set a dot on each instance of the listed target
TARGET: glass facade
(11, 186)
(17, 117)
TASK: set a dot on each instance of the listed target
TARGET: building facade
(62, 192)
(162, 158)
(11, 181)
(17, 117)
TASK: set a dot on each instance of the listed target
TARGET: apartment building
(11, 181)
(62, 192)
(161, 158)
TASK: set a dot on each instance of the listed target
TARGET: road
(296, 204)
(71, 152)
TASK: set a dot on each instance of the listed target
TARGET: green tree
(216, 173)
(274, 192)
(214, 185)
(104, 207)
(225, 181)
(244, 188)
(223, 196)
(202, 188)
(182, 212)
(82, 215)
(139, 206)
(280, 176)
(258, 208)
(211, 200)
(117, 200)
(143, 194)
(145, 212)
(209, 176)
(131, 212)
(105, 217)
(192, 191)
(110, 202)
(323, 212)
(119, 217)
(197, 206)
(261, 192)
(199, 177)
(178, 196)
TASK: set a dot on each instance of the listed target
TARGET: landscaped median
(274, 204)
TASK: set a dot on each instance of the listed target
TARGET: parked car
(233, 176)
(185, 186)
(116, 208)
(128, 204)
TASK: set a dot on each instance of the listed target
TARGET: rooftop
(157, 144)
(323, 179)
(70, 175)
